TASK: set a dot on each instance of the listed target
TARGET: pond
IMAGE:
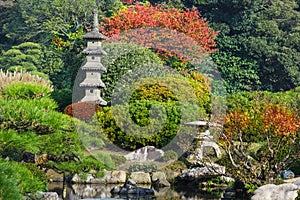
(97, 191)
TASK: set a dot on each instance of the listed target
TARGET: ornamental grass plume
(7, 78)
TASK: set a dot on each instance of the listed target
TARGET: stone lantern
(93, 67)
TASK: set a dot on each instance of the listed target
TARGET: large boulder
(53, 176)
(115, 177)
(160, 178)
(287, 174)
(201, 172)
(148, 153)
(286, 191)
(141, 177)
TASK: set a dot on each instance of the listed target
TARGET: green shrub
(130, 126)
(61, 144)
(9, 187)
(85, 165)
(122, 57)
(145, 168)
(246, 100)
(13, 144)
(17, 179)
(32, 115)
(63, 97)
(105, 159)
(20, 90)
(169, 155)
(190, 89)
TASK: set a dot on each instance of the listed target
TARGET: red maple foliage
(177, 32)
(82, 110)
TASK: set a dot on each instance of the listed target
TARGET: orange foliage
(267, 119)
(280, 120)
(194, 30)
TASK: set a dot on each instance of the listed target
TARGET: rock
(141, 177)
(161, 176)
(287, 174)
(227, 179)
(109, 177)
(130, 188)
(293, 180)
(49, 195)
(90, 191)
(171, 175)
(117, 177)
(286, 191)
(130, 182)
(77, 178)
(148, 153)
(202, 172)
(53, 176)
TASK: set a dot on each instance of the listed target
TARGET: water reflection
(81, 191)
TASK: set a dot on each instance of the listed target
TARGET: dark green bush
(63, 97)
(246, 100)
(26, 90)
(169, 155)
(295, 167)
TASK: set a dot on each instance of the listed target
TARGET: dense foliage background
(253, 44)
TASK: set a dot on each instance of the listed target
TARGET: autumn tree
(192, 30)
(261, 139)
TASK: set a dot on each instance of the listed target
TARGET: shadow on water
(98, 191)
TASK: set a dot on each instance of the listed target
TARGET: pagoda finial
(96, 23)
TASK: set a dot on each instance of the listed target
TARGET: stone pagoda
(93, 67)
